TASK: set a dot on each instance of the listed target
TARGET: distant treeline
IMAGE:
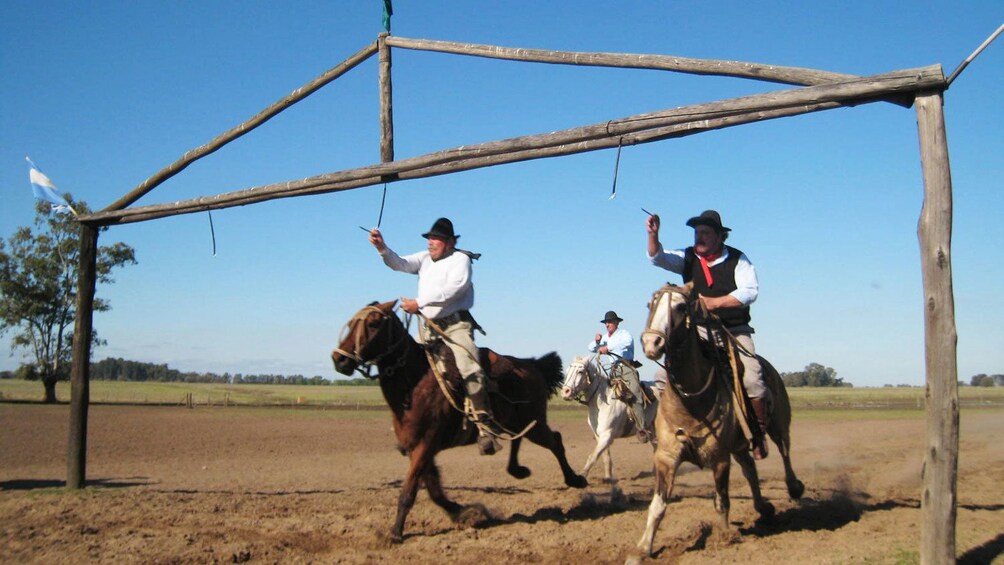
(112, 369)
(814, 375)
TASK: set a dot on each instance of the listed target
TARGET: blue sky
(103, 95)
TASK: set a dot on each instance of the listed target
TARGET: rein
(693, 308)
(588, 392)
(448, 391)
(364, 365)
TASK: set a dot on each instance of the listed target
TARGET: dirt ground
(230, 485)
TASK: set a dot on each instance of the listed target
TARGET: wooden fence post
(386, 104)
(76, 460)
(941, 457)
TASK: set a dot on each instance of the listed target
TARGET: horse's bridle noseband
(363, 365)
(694, 307)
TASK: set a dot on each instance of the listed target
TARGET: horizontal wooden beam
(640, 128)
(740, 69)
(235, 132)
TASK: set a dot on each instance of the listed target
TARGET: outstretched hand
(652, 224)
(376, 238)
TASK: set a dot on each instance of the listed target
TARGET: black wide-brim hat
(442, 228)
(708, 218)
(611, 317)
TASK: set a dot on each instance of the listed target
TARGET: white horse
(587, 381)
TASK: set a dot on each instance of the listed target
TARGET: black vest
(724, 276)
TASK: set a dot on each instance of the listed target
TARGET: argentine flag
(45, 190)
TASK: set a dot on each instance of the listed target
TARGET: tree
(814, 374)
(38, 289)
(983, 380)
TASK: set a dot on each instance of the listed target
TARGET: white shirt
(747, 286)
(444, 286)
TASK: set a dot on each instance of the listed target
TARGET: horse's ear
(387, 306)
(689, 287)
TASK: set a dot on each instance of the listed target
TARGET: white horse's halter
(592, 387)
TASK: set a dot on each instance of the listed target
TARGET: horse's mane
(551, 369)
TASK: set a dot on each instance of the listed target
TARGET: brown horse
(697, 420)
(427, 422)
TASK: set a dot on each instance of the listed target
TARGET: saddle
(493, 365)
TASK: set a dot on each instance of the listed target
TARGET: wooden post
(941, 457)
(76, 460)
(386, 106)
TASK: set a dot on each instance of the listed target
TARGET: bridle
(589, 389)
(363, 338)
(694, 308)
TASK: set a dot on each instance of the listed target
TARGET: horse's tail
(551, 370)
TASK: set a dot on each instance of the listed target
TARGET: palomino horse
(586, 381)
(697, 420)
(426, 421)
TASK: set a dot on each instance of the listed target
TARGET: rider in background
(445, 297)
(727, 284)
(619, 344)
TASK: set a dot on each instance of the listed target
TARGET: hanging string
(382, 201)
(617, 164)
(212, 231)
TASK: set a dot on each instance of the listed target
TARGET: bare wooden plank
(245, 127)
(852, 92)
(770, 73)
(80, 397)
(941, 458)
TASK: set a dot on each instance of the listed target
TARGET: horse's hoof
(472, 515)
(577, 481)
(519, 471)
(767, 513)
(796, 489)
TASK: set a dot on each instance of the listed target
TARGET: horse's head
(668, 310)
(367, 337)
(577, 378)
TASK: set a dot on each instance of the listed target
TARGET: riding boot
(639, 421)
(760, 440)
(481, 415)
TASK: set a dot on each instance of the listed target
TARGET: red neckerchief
(705, 259)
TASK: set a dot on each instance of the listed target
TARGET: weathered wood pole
(941, 457)
(386, 105)
(80, 377)
(245, 127)
(695, 117)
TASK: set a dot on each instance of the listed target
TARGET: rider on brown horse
(445, 297)
(727, 283)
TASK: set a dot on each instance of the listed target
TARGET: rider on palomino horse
(727, 283)
(445, 297)
(619, 344)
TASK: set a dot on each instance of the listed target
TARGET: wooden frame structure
(817, 90)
